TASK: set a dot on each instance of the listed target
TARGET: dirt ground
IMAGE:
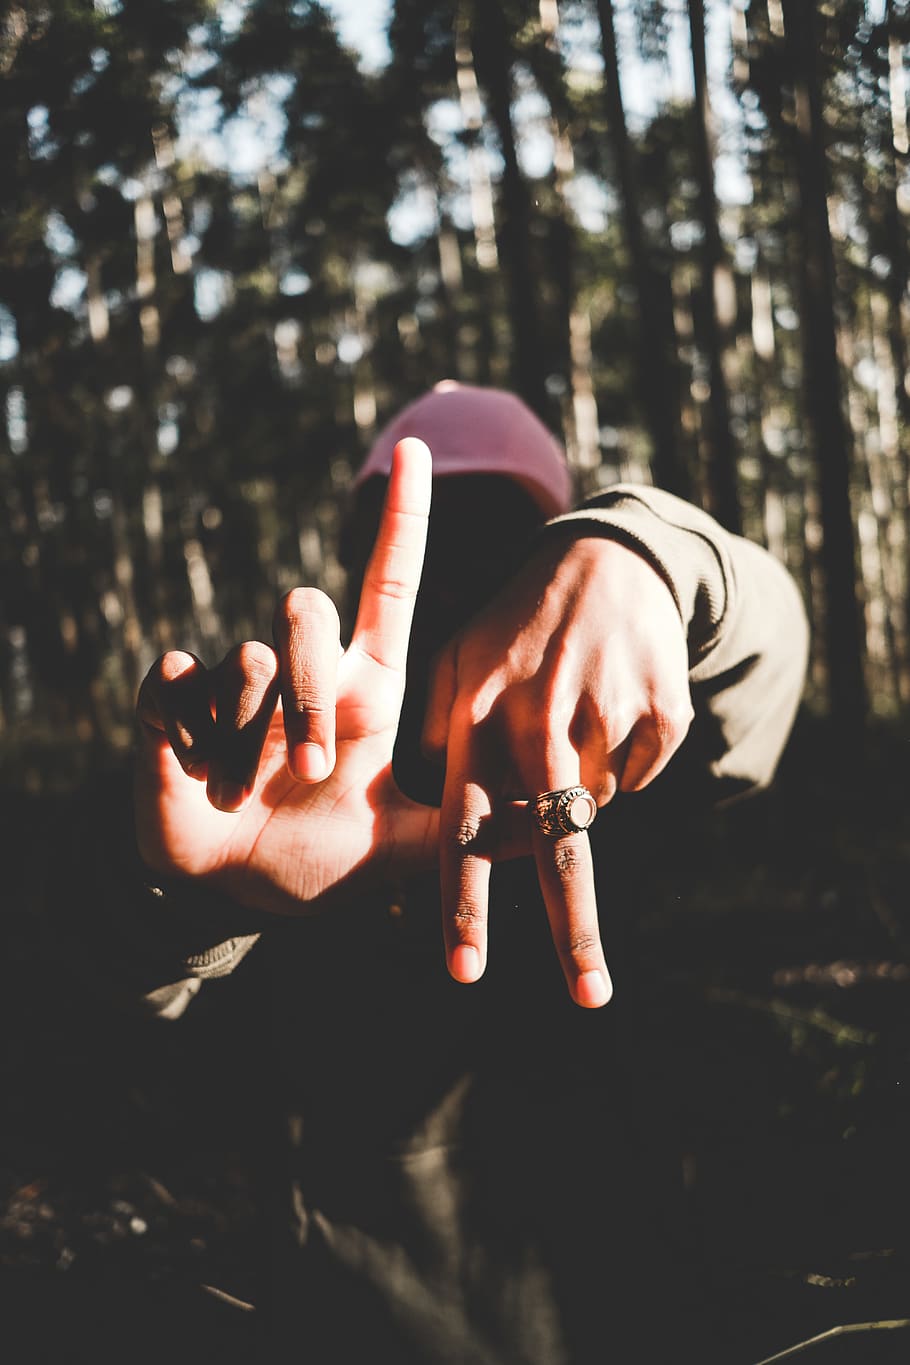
(778, 986)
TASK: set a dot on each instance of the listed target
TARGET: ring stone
(569, 810)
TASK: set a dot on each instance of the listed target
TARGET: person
(471, 1171)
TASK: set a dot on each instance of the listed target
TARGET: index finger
(392, 577)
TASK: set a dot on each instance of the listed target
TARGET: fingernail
(310, 763)
(465, 964)
(593, 989)
(227, 796)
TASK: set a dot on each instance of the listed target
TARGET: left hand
(576, 673)
(269, 776)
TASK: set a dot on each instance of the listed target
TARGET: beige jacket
(748, 642)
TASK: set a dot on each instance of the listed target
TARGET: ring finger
(246, 692)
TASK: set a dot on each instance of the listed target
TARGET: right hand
(269, 777)
(576, 672)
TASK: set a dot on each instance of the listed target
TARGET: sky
(362, 26)
(250, 142)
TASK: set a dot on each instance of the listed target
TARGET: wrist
(591, 550)
(682, 544)
(163, 927)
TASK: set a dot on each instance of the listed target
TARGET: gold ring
(571, 810)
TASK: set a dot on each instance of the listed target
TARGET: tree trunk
(822, 378)
(894, 150)
(494, 67)
(657, 378)
(715, 290)
(571, 340)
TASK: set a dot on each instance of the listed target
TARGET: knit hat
(473, 430)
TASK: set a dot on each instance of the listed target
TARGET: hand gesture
(269, 777)
(576, 673)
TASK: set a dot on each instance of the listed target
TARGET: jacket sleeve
(745, 622)
(123, 933)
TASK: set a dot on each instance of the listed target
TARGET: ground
(774, 1029)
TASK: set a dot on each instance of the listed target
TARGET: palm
(295, 844)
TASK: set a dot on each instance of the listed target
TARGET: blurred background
(234, 239)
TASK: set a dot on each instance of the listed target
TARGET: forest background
(230, 249)
(232, 245)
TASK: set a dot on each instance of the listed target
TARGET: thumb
(413, 840)
(411, 836)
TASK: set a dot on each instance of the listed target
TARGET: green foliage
(229, 250)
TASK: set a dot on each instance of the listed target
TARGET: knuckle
(580, 944)
(253, 661)
(306, 699)
(566, 861)
(671, 721)
(172, 666)
(174, 684)
(305, 602)
(465, 832)
(393, 586)
(467, 919)
(684, 714)
(618, 722)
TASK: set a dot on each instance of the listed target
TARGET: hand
(576, 672)
(270, 776)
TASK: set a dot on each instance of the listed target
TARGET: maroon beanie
(473, 430)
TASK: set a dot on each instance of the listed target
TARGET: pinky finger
(653, 742)
(175, 700)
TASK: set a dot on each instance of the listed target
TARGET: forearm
(113, 925)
